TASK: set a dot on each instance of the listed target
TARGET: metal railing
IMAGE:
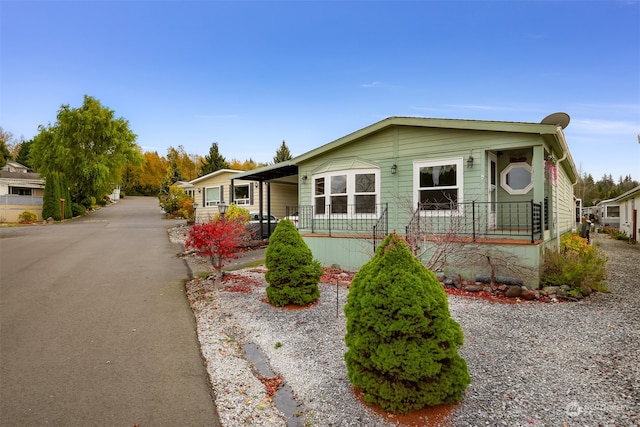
(343, 219)
(477, 220)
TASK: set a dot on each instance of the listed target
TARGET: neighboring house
(188, 188)
(608, 213)
(219, 187)
(493, 186)
(20, 190)
(629, 204)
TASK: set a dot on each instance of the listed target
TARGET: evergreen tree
(293, 275)
(213, 161)
(23, 153)
(51, 197)
(282, 154)
(402, 344)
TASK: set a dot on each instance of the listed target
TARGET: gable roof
(212, 174)
(552, 133)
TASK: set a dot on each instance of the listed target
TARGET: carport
(265, 176)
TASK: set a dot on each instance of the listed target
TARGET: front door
(492, 172)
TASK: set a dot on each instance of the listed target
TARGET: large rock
(513, 291)
(530, 294)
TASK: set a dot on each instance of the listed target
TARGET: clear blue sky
(249, 75)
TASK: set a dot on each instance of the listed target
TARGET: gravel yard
(531, 363)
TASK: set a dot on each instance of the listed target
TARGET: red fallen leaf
(271, 385)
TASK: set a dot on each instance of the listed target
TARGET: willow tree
(89, 146)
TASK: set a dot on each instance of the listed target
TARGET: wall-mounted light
(199, 190)
(394, 169)
(470, 162)
(304, 178)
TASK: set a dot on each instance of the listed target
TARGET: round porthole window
(517, 178)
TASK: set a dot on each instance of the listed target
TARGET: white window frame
(459, 162)
(505, 172)
(209, 203)
(351, 193)
(245, 201)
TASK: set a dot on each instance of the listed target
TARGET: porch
(478, 222)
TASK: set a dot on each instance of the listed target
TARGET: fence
(477, 220)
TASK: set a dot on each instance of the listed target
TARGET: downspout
(565, 150)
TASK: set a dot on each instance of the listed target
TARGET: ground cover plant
(293, 275)
(402, 344)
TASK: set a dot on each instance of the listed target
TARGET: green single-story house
(469, 196)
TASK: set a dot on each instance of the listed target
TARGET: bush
(293, 274)
(576, 265)
(402, 344)
(78, 210)
(27, 217)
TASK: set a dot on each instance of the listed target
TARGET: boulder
(529, 294)
(513, 291)
(473, 288)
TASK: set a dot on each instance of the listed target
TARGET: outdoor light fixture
(394, 169)
(222, 208)
(199, 190)
(304, 178)
(470, 162)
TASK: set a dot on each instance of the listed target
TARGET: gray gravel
(532, 364)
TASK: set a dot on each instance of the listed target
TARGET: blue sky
(250, 74)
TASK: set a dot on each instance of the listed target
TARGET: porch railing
(343, 219)
(477, 220)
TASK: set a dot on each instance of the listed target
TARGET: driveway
(95, 328)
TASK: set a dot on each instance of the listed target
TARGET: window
(517, 178)
(613, 211)
(21, 191)
(438, 185)
(349, 192)
(241, 195)
(212, 196)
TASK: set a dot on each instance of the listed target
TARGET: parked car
(293, 218)
(254, 218)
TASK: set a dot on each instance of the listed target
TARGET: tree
(402, 344)
(6, 139)
(51, 197)
(213, 161)
(188, 164)
(282, 154)
(293, 275)
(219, 239)
(89, 146)
(22, 153)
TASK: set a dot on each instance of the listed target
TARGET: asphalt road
(95, 327)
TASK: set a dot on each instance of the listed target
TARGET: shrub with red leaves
(219, 240)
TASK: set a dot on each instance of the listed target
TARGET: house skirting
(510, 258)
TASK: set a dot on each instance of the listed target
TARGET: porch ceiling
(269, 173)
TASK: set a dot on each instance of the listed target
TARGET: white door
(492, 172)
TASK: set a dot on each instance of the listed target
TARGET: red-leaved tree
(219, 239)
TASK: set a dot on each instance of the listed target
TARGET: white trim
(351, 193)
(459, 163)
(505, 172)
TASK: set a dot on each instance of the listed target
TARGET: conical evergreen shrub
(402, 344)
(293, 274)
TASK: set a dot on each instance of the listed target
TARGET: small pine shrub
(293, 275)
(402, 344)
(27, 217)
